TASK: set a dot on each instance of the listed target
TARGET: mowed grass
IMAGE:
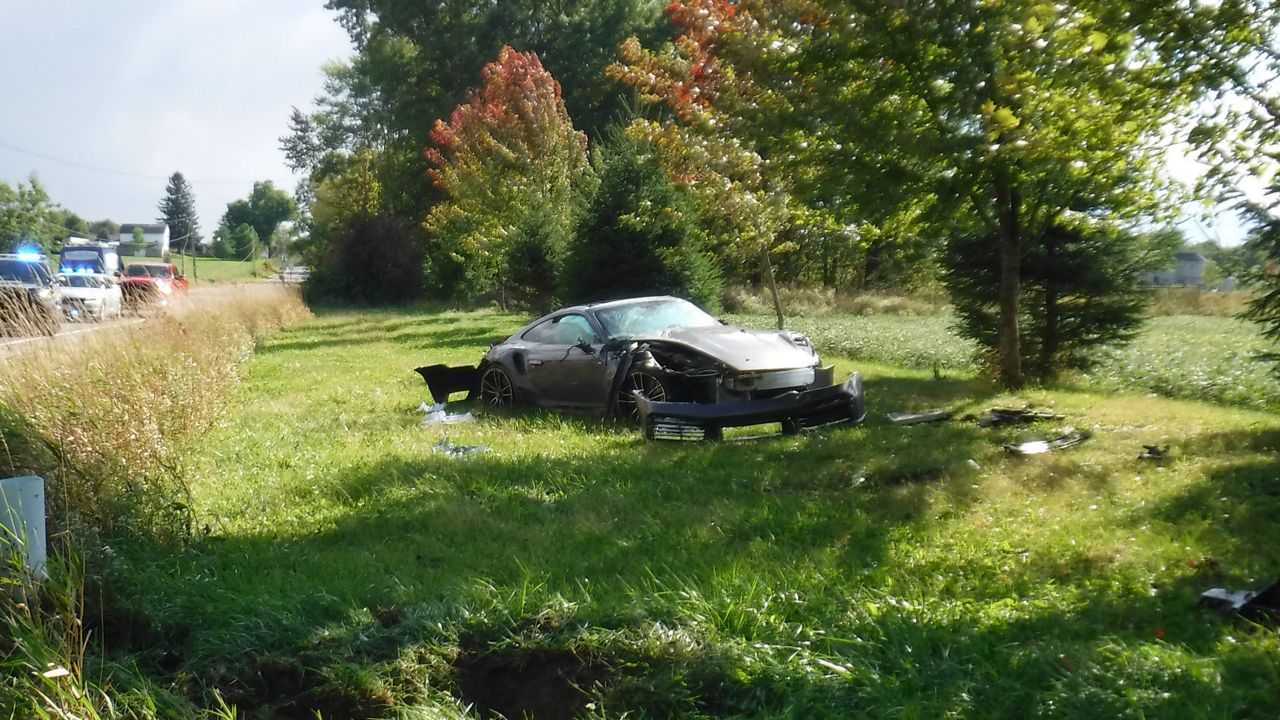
(576, 569)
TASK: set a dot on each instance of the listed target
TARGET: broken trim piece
(1036, 447)
(917, 418)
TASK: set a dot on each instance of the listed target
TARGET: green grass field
(576, 570)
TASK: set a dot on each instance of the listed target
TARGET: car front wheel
(646, 384)
(497, 392)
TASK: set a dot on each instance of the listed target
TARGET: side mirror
(585, 347)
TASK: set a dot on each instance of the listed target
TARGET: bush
(638, 234)
(373, 258)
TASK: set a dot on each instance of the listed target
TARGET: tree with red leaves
(709, 142)
(507, 160)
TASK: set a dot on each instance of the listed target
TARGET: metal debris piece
(1252, 603)
(1154, 452)
(445, 447)
(437, 415)
(996, 417)
(916, 418)
(1036, 447)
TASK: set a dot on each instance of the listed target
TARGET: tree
(28, 217)
(178, 210)
(638, 234)
(138, 242)
(1032, 121)
(1080, 292)
(358, 250)
(507, 161)
(246, 242)
(264, 210)
(104, 229)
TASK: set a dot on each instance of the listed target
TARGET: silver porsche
(660, 361)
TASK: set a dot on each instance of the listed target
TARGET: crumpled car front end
(794, 410)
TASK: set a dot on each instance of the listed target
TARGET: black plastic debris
(1036, 447)
(916, 418)
(1250, 603)
(443, 380)
(1154, 452)
(997, 417)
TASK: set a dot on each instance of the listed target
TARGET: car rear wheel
(497, 392)
(648, 385)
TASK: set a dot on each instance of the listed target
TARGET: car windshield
(650, 316)
(21, 271)
(159, 271)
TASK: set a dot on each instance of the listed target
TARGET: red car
(146, 283)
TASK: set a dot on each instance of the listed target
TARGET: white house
(155, 235)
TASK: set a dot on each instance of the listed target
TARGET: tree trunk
(1050, 343)
(773, 287)
(1010, 283)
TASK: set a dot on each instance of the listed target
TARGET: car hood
(78, 293)
(741, 349)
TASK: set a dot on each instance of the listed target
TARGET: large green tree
(264, 210)
(178, 210)
(28, 217)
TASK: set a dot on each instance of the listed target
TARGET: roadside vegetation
(345, 566)
(108, 420)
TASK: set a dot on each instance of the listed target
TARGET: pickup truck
(151, 283)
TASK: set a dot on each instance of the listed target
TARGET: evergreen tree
(638, 234)
(178, 209)
(1079, 291)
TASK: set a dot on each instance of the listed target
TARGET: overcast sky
(138, 89)
(143, 88)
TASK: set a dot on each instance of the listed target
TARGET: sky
(104, 100)
(139, 89)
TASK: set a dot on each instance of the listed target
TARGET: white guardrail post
(22, 521)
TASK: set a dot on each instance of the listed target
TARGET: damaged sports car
(662, 362)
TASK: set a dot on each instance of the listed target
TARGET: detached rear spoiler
(842, 403)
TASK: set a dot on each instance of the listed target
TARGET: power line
(110, 171)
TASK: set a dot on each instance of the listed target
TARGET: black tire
(497, 391)
(648, 384)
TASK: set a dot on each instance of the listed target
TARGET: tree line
(1013, 150)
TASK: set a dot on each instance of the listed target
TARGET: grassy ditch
(576, 571)
(108, 419)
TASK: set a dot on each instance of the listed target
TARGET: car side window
(563, 330)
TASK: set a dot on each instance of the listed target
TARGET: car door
(561, 373)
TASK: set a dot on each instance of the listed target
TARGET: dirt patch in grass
(544, 684)
(282, 688)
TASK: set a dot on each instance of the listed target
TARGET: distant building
(154, 235)
(1187, 271)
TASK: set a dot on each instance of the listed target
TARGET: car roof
(614, 303)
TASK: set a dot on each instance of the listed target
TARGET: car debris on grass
(1037, 447)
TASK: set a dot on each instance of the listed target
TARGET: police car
(29, 297)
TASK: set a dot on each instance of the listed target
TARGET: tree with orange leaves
(507, 160)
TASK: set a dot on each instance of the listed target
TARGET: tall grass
(106, 419)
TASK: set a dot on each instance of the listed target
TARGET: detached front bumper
(795, 411)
